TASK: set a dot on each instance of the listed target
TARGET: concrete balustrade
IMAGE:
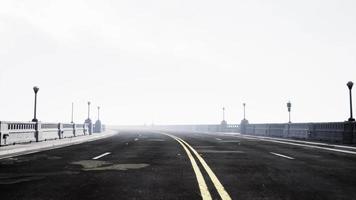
(12, 132)
(336, 132)
(23, 132)
(80, 129)
(48, 131)
(199, 127)
(67, 130)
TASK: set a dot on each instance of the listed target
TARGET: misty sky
(177, 61)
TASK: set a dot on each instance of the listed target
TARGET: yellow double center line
(204, 191)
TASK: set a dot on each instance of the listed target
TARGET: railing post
(243, 125)
(60, 131)
(90, 128)
(38, 131)
(4, 132)
(85, 128)
(347, 137)
(288, 130)
(74, 130)
(1, 133)
(354, 133)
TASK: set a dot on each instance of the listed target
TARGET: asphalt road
(181, 165)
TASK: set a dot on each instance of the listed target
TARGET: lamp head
(350, 84)
(289, 105)
(35, 89)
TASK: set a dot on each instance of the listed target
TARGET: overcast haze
(177, 62)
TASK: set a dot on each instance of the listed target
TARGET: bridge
(207, 161)
(41, 160)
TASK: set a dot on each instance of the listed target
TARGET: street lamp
(72, 113)
(88, 109)
(244, 104)
(35, 89)
(223, 113)
(88, 121)
(289, 106)
(223, 122)
(98, 112)
(349, 85)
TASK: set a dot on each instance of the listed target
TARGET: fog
(177, 62)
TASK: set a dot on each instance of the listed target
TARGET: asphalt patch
(96, 165)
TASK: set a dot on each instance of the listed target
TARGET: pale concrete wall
(22, 132)
(339, 132)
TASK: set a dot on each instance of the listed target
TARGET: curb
(43, 146)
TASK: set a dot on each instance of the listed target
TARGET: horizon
(177, 62)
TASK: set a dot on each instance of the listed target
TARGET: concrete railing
(334, 132)
(199, 127)
(339, 132)
(22, 132)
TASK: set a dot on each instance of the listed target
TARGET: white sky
(176, 62)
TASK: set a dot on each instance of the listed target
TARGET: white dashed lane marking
(297, 144)
(281, 155)
(100, 156)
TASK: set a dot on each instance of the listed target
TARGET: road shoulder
(28, 148)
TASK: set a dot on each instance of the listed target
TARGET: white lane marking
(304, 142)
(218, 151)
(303, 145)
(156, 140)
(218, 139)
(204, 191)
(100, 156)
(281, 155)
(230, 141)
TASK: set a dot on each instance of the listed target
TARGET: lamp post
(88, 121)
(88, 109)
(223, 113)
(72, 113)
(349, 85)
(35, 89)
(244, 104)
(98, 112)
(289, 106)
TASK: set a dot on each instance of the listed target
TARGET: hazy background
(173, 62)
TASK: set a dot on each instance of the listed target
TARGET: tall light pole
(35, 89)
(223, 113)
(88, 121)
(88, 109)
(349, 85)
(72, 113)
(244, 104)
(98, 112)
(289, 106)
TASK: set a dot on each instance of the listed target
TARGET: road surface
(142, 164)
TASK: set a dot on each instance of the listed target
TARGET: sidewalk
(28, 148)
